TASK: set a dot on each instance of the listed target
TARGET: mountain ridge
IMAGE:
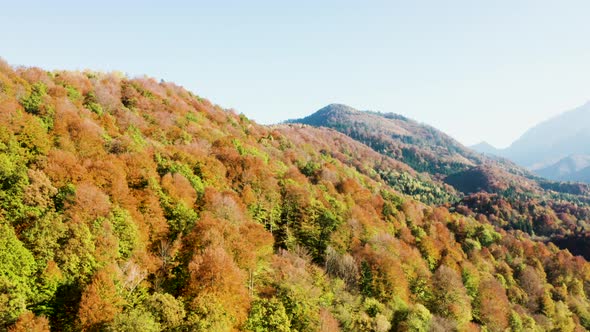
(396, 128)
(416, 144)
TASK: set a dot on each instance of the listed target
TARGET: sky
(478, 70)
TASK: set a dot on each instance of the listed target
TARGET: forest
(483, 186)
(130, 204)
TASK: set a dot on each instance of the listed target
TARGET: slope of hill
(511, 191)
(422, 147)
(134, 205)
(396, 174)
(490, 179)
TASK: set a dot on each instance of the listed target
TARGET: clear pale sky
(478, 70)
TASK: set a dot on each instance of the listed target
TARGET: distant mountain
(553, 140)
(582, 175)
(422, 147)
(486, 148)
(570, 168)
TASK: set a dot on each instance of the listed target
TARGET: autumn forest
(130, 204)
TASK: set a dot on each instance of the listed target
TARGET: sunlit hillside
(128, 204)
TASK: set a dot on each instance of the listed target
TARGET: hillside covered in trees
(418, 145)
(131, 204)
(483, 186)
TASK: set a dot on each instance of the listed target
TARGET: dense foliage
(482, 186)
(130, 204)
(420, 146)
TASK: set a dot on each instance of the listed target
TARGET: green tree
(125, 230)
(17, 267)
(167, 311)
(417, 320)
(268, 315)
(134, 320)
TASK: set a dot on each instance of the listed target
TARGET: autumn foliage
(132, 204)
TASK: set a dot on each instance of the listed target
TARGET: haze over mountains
(571, 168)
(557, 149)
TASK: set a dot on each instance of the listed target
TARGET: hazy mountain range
(557, 149)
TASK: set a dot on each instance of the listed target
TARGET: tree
(28, 322)
(268, 315)
(133, 320)
(450, 297)
(100, 301)
(214, 274)
(125, 229)
(492, 305)
(166, 310)
(17, 267)
(342, 266)
(532, 284)
(77, 258)
(418, 319)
